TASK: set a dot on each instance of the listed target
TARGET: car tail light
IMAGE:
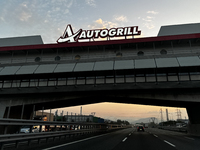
(137, 127)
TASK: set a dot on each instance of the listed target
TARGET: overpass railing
(104, 79)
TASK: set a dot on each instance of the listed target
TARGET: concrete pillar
(193, 111)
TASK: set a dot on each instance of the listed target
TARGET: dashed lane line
(124, 139)
(169, 143)
(155, 135)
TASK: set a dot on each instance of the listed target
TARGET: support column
(193, 111)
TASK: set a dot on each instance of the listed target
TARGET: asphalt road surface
(150, 139)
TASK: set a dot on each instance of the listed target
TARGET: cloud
(149, 25)
(149, 20)
(24, 5)
(24, 16)
(91, 3)
(152, 12)
(99, 21)
(2, 19)
(36, 17)
(22, 12)
(100, 24)
(121, 18)
(150, 17)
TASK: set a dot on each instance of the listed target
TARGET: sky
(49, 19)
(129, 112)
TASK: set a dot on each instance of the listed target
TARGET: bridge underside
(144, 93)
(173, 88)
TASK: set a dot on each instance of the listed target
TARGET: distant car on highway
(140, 128)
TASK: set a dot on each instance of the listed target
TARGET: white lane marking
(129, 134)
(124, 139)
(155, 135)
(189, 138)
(169, 143)
(74, 142)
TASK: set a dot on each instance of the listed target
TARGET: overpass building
(162, 70)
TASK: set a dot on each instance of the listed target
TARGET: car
(35, 129)
(140, 128)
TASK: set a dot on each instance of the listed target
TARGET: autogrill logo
(70, 37)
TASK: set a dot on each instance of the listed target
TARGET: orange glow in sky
(130, 112)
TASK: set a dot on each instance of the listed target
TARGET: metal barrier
(50, 124)
(64, 127)
(17, 138)
(173, 128)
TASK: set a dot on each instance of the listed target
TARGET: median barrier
(173, 128)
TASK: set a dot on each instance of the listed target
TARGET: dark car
(140, 128)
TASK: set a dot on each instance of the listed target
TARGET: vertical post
(67, 117)
(172, 46)
(155, 72)
(135, 80)
(26, 55)
(42, 112)
(33, 111)
(114, 76)
(190, 43)
(5, 129)
(75, 117)
(8, 114)
(31, 128)
(56, 115)
(22, 111)
(50, 115)
(12, 56)
(40, 128)
(62, 115)
(95, 78)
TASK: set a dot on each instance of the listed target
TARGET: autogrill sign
(70, 37)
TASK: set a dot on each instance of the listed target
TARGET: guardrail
(17, 138)
(55, 125)
(173, 128)
(64, 130)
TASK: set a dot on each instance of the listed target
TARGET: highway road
(151, 139)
